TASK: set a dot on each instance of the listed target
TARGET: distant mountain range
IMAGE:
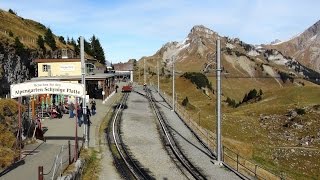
(304, 47)
(297, 58)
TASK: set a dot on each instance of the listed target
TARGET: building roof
(74, 78)
(123, 67)
(63, 60)
(55, 60)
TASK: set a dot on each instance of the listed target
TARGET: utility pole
(218, 125)
(144, 71)
(83, 80)
(158, 77)
(173, 90)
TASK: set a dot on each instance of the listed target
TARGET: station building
(98, 82)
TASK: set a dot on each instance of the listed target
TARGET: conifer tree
(19, 46)
(49, 39)
(40, 42)
(97, 50)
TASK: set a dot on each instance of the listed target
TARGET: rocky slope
(304, 47)
(16, 65)
(239, 59)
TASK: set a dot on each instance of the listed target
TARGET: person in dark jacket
(93, 106)
(88, 116)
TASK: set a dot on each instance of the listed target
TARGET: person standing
(79, 115)
(117, 88)
(88, 116)
(71, 108)
(93, 106)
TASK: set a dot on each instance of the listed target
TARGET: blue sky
(132, 29)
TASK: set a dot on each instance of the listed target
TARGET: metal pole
(40, 172)
(83, 79)
(218, 126)
(144, 71)
(173, 90)
(19, 131)
(158, 77)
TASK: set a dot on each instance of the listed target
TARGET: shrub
(185, 101)
(12, 12)
(199, 79)
(300, 111)
(10, 33)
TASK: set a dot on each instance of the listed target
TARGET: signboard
(67, 67)
(46, 87)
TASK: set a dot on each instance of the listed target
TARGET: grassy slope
(27, 30)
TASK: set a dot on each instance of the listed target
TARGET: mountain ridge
(196, 53)
(304, 47)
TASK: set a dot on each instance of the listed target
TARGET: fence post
(255, 171)
(69, 149)
(237, 162)
(40, 172)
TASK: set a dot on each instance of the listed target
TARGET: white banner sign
(46, 87)
(67, 67)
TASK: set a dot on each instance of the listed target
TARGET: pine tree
(40, 42)
(75, 46)
(61, 39)
(87, 47)
(49, 39)
(97, 50)
(19, 46)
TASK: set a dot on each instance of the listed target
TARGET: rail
(185, 162)
(231, 158)
(131, 165)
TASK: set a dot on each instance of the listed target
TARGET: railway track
(128, 167)
(170, 141)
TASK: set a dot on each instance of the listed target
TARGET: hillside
(27, 30)
(304, 47)
(285, 137)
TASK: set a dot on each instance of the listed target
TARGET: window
(45, 68)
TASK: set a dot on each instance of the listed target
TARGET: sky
(136, 28)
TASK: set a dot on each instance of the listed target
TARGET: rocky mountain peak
(276, 41)
(314, 29)
(201, 31)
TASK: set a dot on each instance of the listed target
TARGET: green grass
(241, 126)
(92, 168)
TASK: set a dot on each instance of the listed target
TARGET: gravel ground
(108, 170)
(140, 134)
(190, 146)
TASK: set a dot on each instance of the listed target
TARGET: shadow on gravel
(165, 105)
(123, 107)
(208, 154)
(62, 138)
(12, 167)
